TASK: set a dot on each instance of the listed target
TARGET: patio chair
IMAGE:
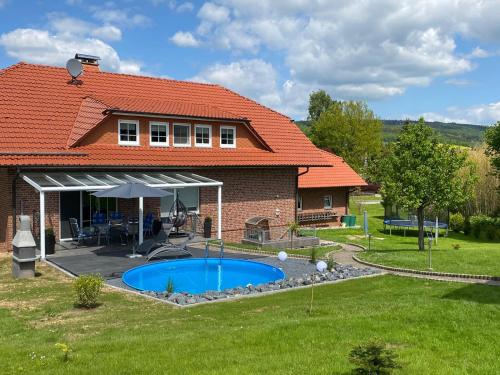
(161, 245)
(80, 235)
(101, 226)
(148, 224)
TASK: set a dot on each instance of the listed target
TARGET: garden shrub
(88, 288)
(467, 226)
(457, 222)
(373, 358)
(485, 228)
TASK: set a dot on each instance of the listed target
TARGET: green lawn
(435, 327)
(473, 256)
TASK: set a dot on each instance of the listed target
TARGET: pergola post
(219, 212)
(42, 224)
(141, 220)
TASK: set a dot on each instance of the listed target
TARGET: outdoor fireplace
(24, 250)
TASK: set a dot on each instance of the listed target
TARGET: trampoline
(404, 224)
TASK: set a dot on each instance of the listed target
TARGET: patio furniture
(80, 235)
(168, 248)
(101, 226)
(133, 230)
(129, 191)
(148, 224)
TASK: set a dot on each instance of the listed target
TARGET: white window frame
(330, 206)
(189, 135)
(220, 137)
(299, 203)
(203, 126)
(129, 143)
(158, 144)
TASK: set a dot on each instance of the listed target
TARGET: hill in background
(450, 132)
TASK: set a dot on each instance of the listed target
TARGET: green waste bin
(352, 220)
(344, 219)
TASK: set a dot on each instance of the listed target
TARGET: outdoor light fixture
(321, 266)
(282, 255)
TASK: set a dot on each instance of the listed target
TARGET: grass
(321, 251)
(435, 327)
(473, 256)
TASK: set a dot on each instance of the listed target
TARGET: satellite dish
(74, 68)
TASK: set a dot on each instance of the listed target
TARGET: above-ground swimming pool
(197, 276)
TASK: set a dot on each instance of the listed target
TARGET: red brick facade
(27, 203)
(312, 202)
(245, 193)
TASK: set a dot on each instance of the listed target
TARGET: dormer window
(203, 135)
(158, 134)
(128, 132)
(228, 136)
(182, 135)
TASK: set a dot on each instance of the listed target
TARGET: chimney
(90, 63)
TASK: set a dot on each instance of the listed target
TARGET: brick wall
(312, 202)
(27, 203)
(107, 132)
(246, 193)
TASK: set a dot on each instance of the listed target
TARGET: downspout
(14, 202)
(297, 193)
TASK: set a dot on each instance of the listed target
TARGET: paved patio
(112, 261)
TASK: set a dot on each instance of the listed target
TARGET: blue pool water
(200, 275)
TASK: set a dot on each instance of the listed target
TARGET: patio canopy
(95, 181)
(76, 181)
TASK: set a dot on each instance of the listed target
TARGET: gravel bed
(339, 272)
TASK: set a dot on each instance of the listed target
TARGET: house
(225, 156)
(323, 196)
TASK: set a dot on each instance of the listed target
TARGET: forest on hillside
(451, 133)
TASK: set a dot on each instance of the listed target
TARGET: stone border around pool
(340, 273)
(428, 273)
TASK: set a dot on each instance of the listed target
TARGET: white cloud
(43, 47)
(184, 39)
(479, 53)
(458, 82)
(254, 78)
(119, 16)
(482, 114)
(72, 27)
(355, 49)
(185, 7)
(108, 32)
(211, 12)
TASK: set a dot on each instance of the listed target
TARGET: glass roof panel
(64, 179)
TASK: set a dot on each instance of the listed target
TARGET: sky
(438, 59)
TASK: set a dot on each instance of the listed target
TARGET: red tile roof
(141, 105)
(42, 113)
(340, 174)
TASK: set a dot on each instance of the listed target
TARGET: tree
(492, 137)
(319, 102)
(419, 172)
(351, 130)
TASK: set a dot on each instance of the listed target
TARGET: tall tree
(419, 172)
(319, 102)
(351, 130)
(492, 137)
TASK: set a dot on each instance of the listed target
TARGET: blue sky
(405, 58)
